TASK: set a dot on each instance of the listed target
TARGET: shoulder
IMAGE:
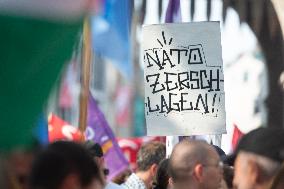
(134, 182)
(112, 185)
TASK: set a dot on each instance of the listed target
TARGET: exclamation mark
(213, 103)
(219, 101)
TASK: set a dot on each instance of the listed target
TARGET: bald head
(187, 154)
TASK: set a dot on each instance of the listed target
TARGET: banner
(99, 131)
(184, 81)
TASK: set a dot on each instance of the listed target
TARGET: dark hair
(59, 160)
(150, 153)
(94, 149)
(162, 176)
(256, 142)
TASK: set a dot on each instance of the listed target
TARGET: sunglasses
(106, 172)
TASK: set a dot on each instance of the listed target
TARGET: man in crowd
(148, 158)
(195, 164)
(65, 165)
(259, 155)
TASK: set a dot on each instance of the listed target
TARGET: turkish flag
(59, 129)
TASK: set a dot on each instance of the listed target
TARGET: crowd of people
(257, 163)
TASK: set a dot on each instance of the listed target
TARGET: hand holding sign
(184, 82)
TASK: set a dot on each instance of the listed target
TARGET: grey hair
(150, 153)
(268, 167)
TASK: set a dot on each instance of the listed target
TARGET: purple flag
(99, 131)
(173, 13)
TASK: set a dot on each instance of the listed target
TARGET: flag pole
(85, 75)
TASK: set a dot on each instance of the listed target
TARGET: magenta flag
(100, 132)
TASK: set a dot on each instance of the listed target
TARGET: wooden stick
(85, 73)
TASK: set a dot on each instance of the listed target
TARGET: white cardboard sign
(184, 81)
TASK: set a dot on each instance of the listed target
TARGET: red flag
(59, 129)
(237, 135)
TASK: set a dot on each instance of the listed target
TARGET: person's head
(96, 152)
(228, 174)
(195, 164)
(150, 155)
(258, 158)
(65, 165)
(19, 165)
(162, 176)
(148, 158)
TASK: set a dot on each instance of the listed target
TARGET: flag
(58, 129)
(100, 132)
(237, 135)
(37, 38)
(173, 13)
(41, 130)
(110, 34)
(70, 86)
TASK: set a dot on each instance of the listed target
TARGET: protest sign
(184, 81)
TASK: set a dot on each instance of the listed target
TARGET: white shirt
(111, 185)
(134, 182)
